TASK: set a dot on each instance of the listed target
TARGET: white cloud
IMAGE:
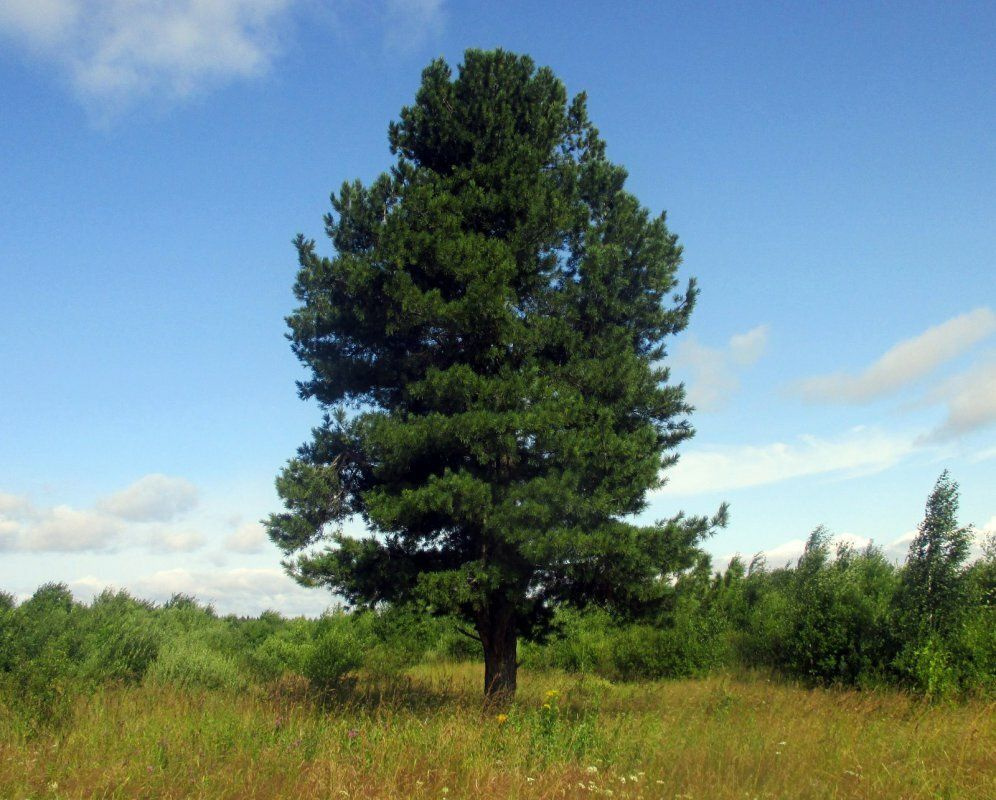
(165, 540)
(70, 530)
(235, 591)
(10, 533)
(248, 538)
(154, 498)
(904, 363)
(13, 505)
(971, 402)
(714, 371)
(117, 50)
(122, 519)
(723, 468)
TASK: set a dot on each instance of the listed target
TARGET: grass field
(565, 737)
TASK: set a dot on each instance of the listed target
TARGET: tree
(932, 596)
(486, 343)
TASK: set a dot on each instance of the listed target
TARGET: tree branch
(470, 635)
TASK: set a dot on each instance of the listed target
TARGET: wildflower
(592, 769)
(551, 693)
(502, 719)
(546, 706)
(352, 733)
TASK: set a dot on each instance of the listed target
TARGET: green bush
(284, 652)
(190, 663)
(120, 638)
(336, 653)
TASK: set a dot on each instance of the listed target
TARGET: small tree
(495, 314)
(932, 596)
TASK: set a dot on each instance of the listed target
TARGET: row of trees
(837, 616)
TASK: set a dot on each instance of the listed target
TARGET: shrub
(120, 638)
(283, 653)
(190, 663)
(335, 654)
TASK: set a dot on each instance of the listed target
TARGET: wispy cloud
(115, 53)
(904, 363)
(714, 371)
(971, 402)
(717, 469)
(411, 23)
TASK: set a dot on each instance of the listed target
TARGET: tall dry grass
(428, 737)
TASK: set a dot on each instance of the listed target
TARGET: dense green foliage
(495, 314)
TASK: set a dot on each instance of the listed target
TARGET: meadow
(426, 735)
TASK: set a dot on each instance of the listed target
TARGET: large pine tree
(487, 343)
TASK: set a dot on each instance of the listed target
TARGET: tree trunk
(500, 662)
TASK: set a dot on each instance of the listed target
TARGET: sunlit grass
(428, 737)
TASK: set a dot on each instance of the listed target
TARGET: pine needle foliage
(486, 343)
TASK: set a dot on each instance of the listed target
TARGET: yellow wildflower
(502, 719)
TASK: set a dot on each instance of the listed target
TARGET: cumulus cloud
(165, 540)
(117, 50)
(248, 538)
(715, 371)
(723, 468)
(131, 517)
(69, 530)
(971, 402)
(904, 363)
(235, 591)
(154, 498)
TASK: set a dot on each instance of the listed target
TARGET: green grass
(426, 736)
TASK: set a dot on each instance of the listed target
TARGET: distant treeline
(838, 616)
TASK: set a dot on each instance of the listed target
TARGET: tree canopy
(487, 343)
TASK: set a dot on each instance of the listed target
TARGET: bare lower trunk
(500, 663)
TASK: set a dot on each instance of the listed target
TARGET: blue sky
(830, 170)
